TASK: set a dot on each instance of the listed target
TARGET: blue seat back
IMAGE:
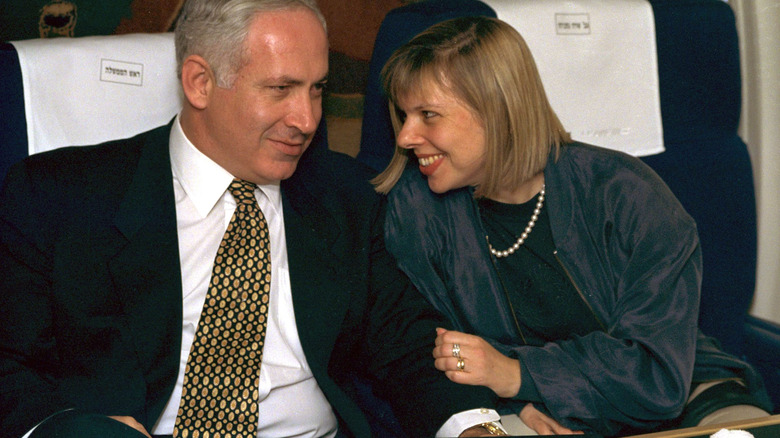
(13, 128)
(706, 163)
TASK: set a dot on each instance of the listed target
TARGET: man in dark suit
(107, 255)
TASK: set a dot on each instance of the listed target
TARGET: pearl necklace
(526, 232)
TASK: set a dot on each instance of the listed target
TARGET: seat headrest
(599, 66)
(88, 90)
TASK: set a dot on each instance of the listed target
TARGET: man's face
(259, 128)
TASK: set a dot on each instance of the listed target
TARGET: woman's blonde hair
(487, 66)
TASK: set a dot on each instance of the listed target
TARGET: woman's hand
(481, 364)
(542, 424)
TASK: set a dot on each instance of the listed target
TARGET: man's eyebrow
(288, 80)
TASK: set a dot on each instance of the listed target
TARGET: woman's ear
(197, 80)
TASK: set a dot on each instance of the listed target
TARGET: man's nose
(305, 114)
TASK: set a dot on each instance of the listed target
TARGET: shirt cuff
(463, 420)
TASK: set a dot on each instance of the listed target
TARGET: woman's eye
(428, 114)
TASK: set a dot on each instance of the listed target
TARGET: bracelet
(493, 428)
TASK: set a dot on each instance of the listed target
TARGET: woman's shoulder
(597, 155)
(600, 164)
(598, 176)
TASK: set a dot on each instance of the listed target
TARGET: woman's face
(445, 135)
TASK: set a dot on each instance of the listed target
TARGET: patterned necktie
(220, 392)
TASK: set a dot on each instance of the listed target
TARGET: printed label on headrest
(129, 73)
(572, 24)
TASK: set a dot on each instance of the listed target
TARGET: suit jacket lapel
(146, 271)
(319, 296)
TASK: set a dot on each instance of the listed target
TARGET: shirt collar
(204, 181)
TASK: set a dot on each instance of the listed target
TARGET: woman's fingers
(451, 364)
(471, 360)
(450, 343)
(455, 350)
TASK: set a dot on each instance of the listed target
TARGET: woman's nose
(408, 137)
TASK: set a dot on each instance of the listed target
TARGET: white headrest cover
(81, 91)
(599, 66)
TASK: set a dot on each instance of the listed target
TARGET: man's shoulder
(337, 172)
(105, 159)
(342, 166)
(335, 181)
(71, 172)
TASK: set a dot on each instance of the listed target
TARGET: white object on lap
(725, 433)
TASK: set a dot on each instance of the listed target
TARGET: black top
(546, 304)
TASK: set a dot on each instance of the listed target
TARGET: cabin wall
(757, 24)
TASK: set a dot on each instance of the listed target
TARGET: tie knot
(243, 191)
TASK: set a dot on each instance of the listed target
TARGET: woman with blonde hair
(570, 273)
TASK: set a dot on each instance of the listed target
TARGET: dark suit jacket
(90, 299)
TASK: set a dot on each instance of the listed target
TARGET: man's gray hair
(217, 29)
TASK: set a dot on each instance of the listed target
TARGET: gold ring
(461, 364)
(456, 350)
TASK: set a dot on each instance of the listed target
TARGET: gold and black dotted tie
(220, 392)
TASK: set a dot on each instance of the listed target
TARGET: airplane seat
(707, 165)
(80, 91)
(704, 161)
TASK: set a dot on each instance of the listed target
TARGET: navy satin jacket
(631, 251)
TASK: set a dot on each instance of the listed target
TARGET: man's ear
(197, 80)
